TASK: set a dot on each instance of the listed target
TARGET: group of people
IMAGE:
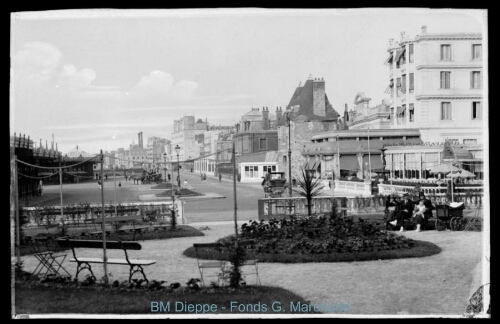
(399, 211)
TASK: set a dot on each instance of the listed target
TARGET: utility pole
(103, 226)
(289, 155)
(235, 204)
(60, 189)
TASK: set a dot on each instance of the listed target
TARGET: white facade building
(436, 84)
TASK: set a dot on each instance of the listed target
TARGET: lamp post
(288, 124)
(369, 157)
(165, 165)
(177, 149)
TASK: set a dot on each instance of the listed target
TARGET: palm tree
(309, 188)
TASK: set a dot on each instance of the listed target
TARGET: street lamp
(289, 154)
(165, 165)
(369, 157)
(177, 149)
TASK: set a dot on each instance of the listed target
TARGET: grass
(164, 185)
(420, 249)
(182, 192)
(159, 234)
(33, 297)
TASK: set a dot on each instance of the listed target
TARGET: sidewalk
(439, 284)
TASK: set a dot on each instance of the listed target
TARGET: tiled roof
(303, 98)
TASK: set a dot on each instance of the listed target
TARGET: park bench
(135, 229)
(84, 263)
(221, 267)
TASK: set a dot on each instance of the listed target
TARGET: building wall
(300, 134)
(319, 103)
(428, 95)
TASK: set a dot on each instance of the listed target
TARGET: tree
(309, 188)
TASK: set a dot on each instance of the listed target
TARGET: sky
(96, 78)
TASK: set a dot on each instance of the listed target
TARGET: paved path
(439, 284)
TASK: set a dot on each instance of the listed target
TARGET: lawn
(158, 234)
(34, 297)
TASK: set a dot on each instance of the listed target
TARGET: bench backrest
(97, 244)
(207, 245)
(115, 219)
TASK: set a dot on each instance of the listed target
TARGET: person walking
(185, 184)
(220, 177)
(119, 184)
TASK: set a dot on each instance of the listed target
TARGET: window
(475, 80)
(403, 83)
(284, 158)
(411, 86)
(251, 171)
(477, 110)
(453, 141)
(445, 80)
(398, 87)
(271, 168)
(446, 52)
(410, 53)
(412, 113)
(263, 143)
(446, 111)
(391, 116)
(477, 51)
(470, 141)
(403, 114)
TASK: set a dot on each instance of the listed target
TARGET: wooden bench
(135, 229)
(84, 263)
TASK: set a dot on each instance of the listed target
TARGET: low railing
(388, 189)
(76, 214)
(362, 188)
(278, 208)
(282, 207)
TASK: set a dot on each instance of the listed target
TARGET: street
(195, 211)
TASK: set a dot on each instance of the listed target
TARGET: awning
(398, 55)
(348, 162)
(388, 59)
(375, 161)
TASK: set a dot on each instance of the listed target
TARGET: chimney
(424, 29)
(265, 118)
(279, 115)
(346, 114)
(319, 102)
(140, 140)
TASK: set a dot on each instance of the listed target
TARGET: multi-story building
(184, 135)
(363, 116)
(309, 112)
(156, 148)
(436, 85)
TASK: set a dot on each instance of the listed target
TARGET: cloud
(38, 60)
(160, 88)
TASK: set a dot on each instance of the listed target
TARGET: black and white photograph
(231, 163)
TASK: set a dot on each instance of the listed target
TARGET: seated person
(391, 207)
(419, 214)
(404, 212)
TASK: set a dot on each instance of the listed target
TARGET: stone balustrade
(162, 210)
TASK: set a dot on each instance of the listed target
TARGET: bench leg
(87, 266)
(134, 269)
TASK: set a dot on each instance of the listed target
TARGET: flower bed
(325, 239)
(182, 192)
